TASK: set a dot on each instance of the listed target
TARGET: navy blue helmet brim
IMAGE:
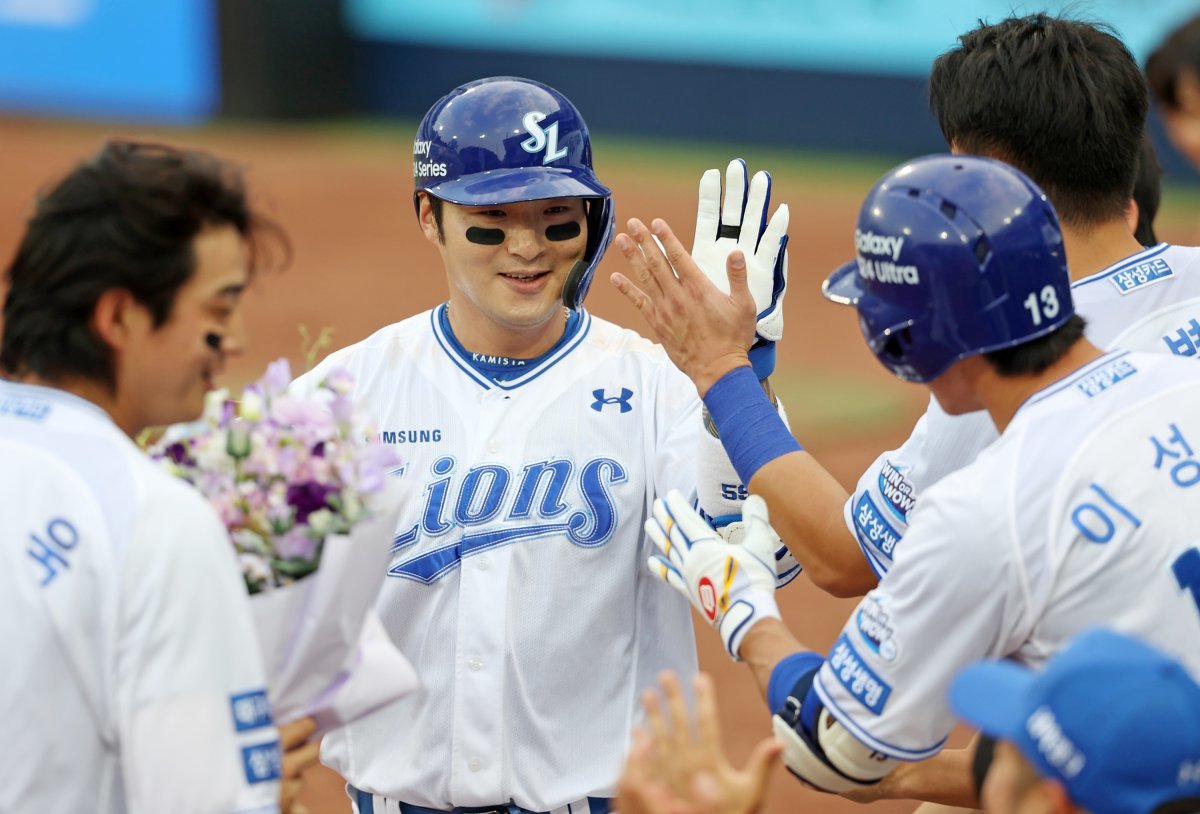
(517, 184)
(842, 286)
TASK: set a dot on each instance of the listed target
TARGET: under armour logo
(602, 400)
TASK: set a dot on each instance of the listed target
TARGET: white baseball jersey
(1083, 513)
(132, 678)
(1149, 301)
(518, 587)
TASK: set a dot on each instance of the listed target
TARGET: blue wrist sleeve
(787, 674)
(751, 430)
(762, 358)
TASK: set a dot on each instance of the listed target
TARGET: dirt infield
(344, 196)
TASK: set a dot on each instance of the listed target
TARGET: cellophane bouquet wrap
(311, 510)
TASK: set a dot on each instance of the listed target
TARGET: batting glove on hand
(741, 223)
(787, 567)
(732, 586)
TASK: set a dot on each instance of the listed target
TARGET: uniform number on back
(1044, 306)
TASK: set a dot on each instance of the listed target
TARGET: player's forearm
(806, 505)
(944, 778)
(764, 646)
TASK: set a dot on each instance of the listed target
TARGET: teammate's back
(1082, 513)
(119, 593)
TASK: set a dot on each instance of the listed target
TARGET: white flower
(251, 405)
(321, 521)
(214, 403)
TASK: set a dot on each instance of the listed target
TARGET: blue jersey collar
(502, 372)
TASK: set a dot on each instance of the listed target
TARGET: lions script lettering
(490, 506)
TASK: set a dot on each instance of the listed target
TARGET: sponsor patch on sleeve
(262, 762)
(873, 527)
(859, 680)
(250, 710)
(1142, 275)
(873, 626)
(896, 489)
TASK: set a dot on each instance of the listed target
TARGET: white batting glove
(732, 586)
(787, 567)
(741, 223)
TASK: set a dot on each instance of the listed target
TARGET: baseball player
(133, 679)
(961, 283)
(535, 436)
(1075, 126)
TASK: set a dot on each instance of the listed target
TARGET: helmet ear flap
(601, 224)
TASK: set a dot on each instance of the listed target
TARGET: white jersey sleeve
(1149, 302)
(192, 707)
(877, 513)
(952, 597)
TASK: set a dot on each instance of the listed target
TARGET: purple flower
(307, 497)
(178, 453)
(277, 377)
(295, 544)
(339, 380)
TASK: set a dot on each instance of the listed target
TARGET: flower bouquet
(311, 511)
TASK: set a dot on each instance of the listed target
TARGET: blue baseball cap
(1116, 721)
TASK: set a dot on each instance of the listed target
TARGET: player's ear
(116, 318)
(429, 216)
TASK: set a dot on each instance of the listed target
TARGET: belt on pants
(367, 803)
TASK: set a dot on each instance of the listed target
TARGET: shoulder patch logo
(1142, 275)
(603, 401)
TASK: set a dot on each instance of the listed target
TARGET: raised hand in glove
(732, 586)
(740, 222)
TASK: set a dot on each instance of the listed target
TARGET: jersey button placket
(479, 677)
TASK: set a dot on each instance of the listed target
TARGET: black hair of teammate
(125, 218)
(1147, 193)
(1062, 100)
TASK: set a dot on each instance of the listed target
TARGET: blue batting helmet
(504, 140)
(956, 256)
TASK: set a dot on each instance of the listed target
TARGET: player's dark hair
(1147, 193)
(124, 219)
(435, 206)
(1035, 356)
(1063, 100)
(1179, 52)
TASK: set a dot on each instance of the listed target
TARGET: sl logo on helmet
(539, 138)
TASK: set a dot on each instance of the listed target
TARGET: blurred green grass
(821, 403)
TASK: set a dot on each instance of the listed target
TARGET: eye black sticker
(563, 231)
(485, 237)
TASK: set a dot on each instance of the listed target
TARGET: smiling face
(506, 264)
(164, 372)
